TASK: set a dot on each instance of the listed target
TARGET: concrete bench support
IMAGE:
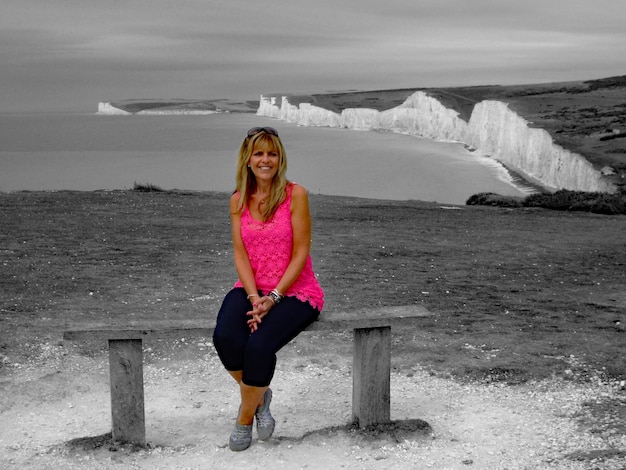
(371, 376)
(127, 398)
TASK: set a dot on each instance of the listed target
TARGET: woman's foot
(264, 421)
(241, 437)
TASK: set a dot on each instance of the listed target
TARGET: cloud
(236, 48)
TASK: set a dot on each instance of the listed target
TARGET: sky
(67, 55)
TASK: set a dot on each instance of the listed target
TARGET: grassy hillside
(531, 287)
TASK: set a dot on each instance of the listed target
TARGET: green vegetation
(147, 188)
(562, 200)
(493, 199)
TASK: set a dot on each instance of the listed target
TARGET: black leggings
(255, 353)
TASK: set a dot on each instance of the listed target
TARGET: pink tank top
(269, 245)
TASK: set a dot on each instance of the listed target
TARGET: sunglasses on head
(267, 130)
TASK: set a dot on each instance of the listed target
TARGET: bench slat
(341, 321)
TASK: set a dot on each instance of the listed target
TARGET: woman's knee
(231, 319)
(230, 350)
(231, 331)
(259, 367)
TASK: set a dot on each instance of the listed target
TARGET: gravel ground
(55, 414)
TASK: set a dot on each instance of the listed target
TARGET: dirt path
(50, 403)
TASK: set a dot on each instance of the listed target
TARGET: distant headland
(568, 135)
(177, 106)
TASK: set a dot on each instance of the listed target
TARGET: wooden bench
(370, 376)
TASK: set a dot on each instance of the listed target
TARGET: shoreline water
(99, 152)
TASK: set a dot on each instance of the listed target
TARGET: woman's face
(264, 162)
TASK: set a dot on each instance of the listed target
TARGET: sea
(89, 152)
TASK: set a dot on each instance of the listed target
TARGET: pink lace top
(269, 246)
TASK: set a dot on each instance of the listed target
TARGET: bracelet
(275, 296)
(252, 295)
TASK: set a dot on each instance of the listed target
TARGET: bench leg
(127, 404)
(371, 376)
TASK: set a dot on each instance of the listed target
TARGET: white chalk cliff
(493, 130)
(108, 108)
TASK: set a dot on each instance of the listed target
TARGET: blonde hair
(246, 181)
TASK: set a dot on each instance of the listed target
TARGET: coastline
(494, 129)
(560, 110)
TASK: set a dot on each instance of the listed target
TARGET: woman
(277, 294)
